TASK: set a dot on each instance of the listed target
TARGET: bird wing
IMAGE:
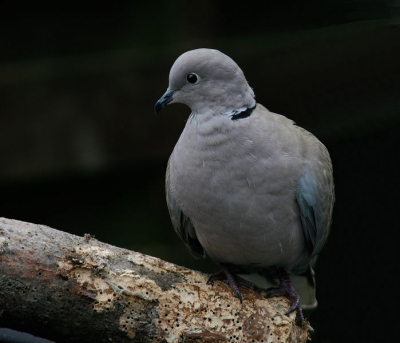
(182, 223)
(315, 198)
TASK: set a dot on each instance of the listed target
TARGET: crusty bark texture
(69, 288)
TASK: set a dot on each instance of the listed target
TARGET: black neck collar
(244, 114)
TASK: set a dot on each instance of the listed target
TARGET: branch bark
(69, 288)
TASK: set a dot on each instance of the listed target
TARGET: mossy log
(68, 288)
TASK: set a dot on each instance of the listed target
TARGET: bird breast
(236, 181)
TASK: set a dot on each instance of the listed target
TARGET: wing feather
(315, 198)
(182, 223)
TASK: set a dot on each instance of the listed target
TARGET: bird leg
(233, 281)
(286, 288)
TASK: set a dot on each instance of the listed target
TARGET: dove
(245, 186)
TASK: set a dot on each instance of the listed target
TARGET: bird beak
(164, 100)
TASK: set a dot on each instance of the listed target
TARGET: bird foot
(233, 280)
(286, 288)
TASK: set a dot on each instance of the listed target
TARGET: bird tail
(305, 287)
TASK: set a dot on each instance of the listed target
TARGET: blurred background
(82, 151)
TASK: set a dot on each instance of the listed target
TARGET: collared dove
(245, 186)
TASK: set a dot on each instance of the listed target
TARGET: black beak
(164, 100)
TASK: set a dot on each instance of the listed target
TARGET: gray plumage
(257, 192)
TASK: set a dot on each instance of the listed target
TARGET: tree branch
(69, 288)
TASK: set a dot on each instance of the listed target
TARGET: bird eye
(193, 78)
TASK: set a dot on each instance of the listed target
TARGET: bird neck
(230, 109)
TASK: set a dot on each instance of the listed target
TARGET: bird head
(207, 80)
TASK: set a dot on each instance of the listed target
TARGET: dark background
(82, 151)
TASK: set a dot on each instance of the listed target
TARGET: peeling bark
(69, 288)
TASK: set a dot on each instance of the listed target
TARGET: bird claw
(306, 325)
(286, 288)
(295, 305)
(238, 295)
(226, 274)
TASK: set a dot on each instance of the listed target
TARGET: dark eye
(193, 78)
